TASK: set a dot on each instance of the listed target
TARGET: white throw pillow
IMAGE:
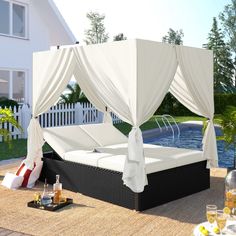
(12, 181)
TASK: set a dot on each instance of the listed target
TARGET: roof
(49, 13)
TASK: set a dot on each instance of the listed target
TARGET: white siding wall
(17, 53)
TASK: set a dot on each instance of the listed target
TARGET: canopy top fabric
(130, 78)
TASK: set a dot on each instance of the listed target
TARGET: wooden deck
(89, 216)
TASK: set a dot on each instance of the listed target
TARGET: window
(12, 84)
(4, 17)
(4, 83)
(18, 20)
(13, 18)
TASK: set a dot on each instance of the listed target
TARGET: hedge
(223, 100)
(5, 102)
(172, 106)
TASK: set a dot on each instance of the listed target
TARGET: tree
(228, 20)
(174, 37)
(119, 37)
(223, 64)
(97, 33)
(75, 94)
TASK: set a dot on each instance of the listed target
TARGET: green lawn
(151, 124)
(18, 148)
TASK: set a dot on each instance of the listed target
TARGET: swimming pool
(190, 138)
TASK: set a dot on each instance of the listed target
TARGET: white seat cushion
(154, 162)
(166, 158)
(85, 157)
(157, 158)
(122, 148)
(77, 144)
(117, 149)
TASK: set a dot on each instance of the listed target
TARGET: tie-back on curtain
(193, 87)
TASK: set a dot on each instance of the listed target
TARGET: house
(27, 26)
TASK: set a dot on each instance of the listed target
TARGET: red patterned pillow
(25, 172)
(30, 175)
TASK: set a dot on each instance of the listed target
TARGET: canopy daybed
(130, 78)
(90, 160)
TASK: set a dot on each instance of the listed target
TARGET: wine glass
(211, 214)
(221, 219)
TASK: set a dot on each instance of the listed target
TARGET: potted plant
(227, 121)
(7, 116)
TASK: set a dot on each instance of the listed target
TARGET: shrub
(224, 100)
(227, 121)
(5, 102)
(172, 106)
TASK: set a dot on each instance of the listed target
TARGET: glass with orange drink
(230, 201)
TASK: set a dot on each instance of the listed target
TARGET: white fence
(59, 115)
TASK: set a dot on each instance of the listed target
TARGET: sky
(145, 19)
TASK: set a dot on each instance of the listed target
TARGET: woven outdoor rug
(88, 216)
(7, 232)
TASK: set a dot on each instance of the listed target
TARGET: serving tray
(50, 207)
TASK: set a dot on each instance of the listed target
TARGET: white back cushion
(68, 138)
(105, 134)
(82, 137)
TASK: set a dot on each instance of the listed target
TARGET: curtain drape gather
(193, 87)
(51, 73)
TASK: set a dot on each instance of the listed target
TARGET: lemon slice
(205, 232)
(229, 195)
(201, 227)
(227, 211)
(216, 230)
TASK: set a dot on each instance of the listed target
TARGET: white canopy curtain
(129, 77)
(51, 74)
(193, 87)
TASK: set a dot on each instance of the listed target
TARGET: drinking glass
(37, 197)
(211, 214)
(221, 219)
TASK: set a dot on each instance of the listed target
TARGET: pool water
(191, 138)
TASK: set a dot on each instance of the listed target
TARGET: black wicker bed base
(107, 185)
